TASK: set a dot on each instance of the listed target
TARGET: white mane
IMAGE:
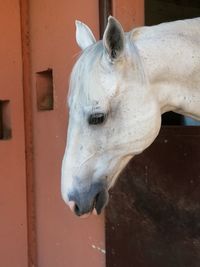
(82, 89)
(81, 92)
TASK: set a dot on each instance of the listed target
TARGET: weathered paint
(129, 13)
(13, 221)
(153, 214)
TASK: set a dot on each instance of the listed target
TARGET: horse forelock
(83, 74)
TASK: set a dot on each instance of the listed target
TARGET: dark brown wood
(1, 120)
(162, 11)
(105, 9)
(154, 211)
(25, 27)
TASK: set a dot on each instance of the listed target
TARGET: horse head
(113, 115)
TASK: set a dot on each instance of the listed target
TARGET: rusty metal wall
(13, 221)
(62, 239)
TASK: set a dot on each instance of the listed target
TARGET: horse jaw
(122, 164)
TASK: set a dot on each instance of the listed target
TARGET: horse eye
(96, 118)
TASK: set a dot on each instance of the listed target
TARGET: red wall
(59, 238)
(62, 239)
(13, 223)
(130, 13)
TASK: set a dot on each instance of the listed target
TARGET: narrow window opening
(5, 120)
(44, 90)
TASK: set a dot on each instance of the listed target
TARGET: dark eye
(96, 118)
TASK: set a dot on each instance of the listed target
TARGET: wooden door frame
(105, 9)
(130, 15)
(28, 128)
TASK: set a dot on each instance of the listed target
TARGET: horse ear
(84, 36)
(113, 38)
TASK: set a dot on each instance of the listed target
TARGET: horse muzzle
(85, 203)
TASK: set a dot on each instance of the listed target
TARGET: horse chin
(100, 202)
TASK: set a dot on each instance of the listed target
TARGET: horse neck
(172, 67)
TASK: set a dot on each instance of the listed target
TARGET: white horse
(119, 89)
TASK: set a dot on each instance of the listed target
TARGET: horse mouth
(100, 201)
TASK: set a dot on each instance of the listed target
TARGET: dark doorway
(154, 211)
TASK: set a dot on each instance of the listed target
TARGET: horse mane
(81, 89)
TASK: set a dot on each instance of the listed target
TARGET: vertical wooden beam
(1, 121)
(32, 248)
(129, 13)
(105, 9)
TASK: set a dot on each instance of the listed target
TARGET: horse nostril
(77, 210)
